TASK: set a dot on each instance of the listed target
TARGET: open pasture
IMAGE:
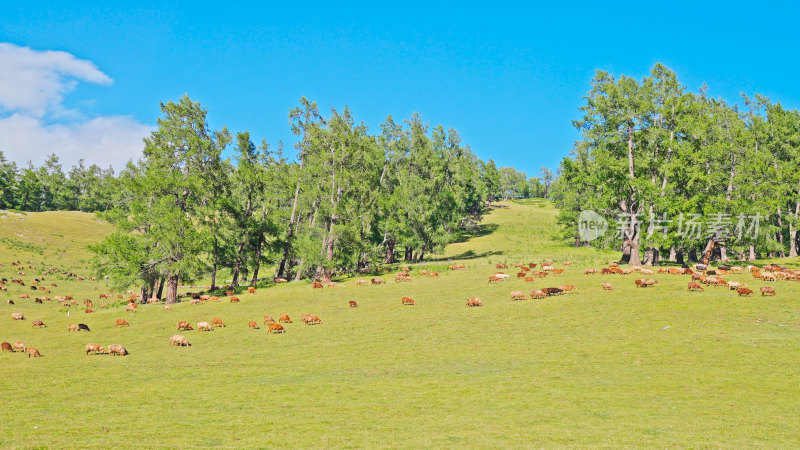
(655, 366)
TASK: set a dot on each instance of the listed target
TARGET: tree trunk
(692, 254)
(143, 292)
(172, 288)
(679, 257)
(751, 254)
(672, 256)
(707, 251)
(214, 269)
(626, 251)
(723, 253)
(390, 251)
(254, 280)
(793, 231)
(160, 288)
(238, 265)
(409, 254)
(155, 287)
(299, 275)
(780, 233)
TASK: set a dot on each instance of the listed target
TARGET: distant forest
(348, 200)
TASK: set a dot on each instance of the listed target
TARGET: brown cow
(474, 301)
(353, 304)
(494, 279)
(378, 281)
(96, 348)
(557, 271)
(607, 286)
(72, 327)
(234, 299)
(116, 349)
(38, 324)
(17, 316)
(537, 293)
(179, 340)
(501, 266)
(766, 290)
(204, 326)
(552, 291)
(361, 283)
(218, 322)
(311, 319)
(33, 352)
(268, 319)
(10, 302)
(518, 295)
(695, 287)
(521, 274)
(433, 274)
(252, 324)
(184, 325)
(7, 347)
(407, 301)
(280, 280)
(284, 318)
(20, 346)
(88, 310)
(121, 323)
(251, 290)
(275, 328)
(229, 293)
(744, 292)
(567, 287)
(590, 271)
(316, 285)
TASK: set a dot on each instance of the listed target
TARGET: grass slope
(633, 367)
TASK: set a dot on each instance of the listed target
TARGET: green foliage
(651, 149)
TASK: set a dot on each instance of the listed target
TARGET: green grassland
(630, 367)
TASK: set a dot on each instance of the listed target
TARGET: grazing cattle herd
(698, 276)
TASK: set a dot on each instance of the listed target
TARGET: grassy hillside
(634, 367)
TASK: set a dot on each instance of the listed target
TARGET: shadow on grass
(480, 230)
(469, 254)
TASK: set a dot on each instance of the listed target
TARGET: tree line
(682, 175)
(350, 199)
(49, 188)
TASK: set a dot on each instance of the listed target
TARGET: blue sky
(508, 76)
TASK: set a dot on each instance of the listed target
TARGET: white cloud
(32, 88)
(34, 82)
(111, 140)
